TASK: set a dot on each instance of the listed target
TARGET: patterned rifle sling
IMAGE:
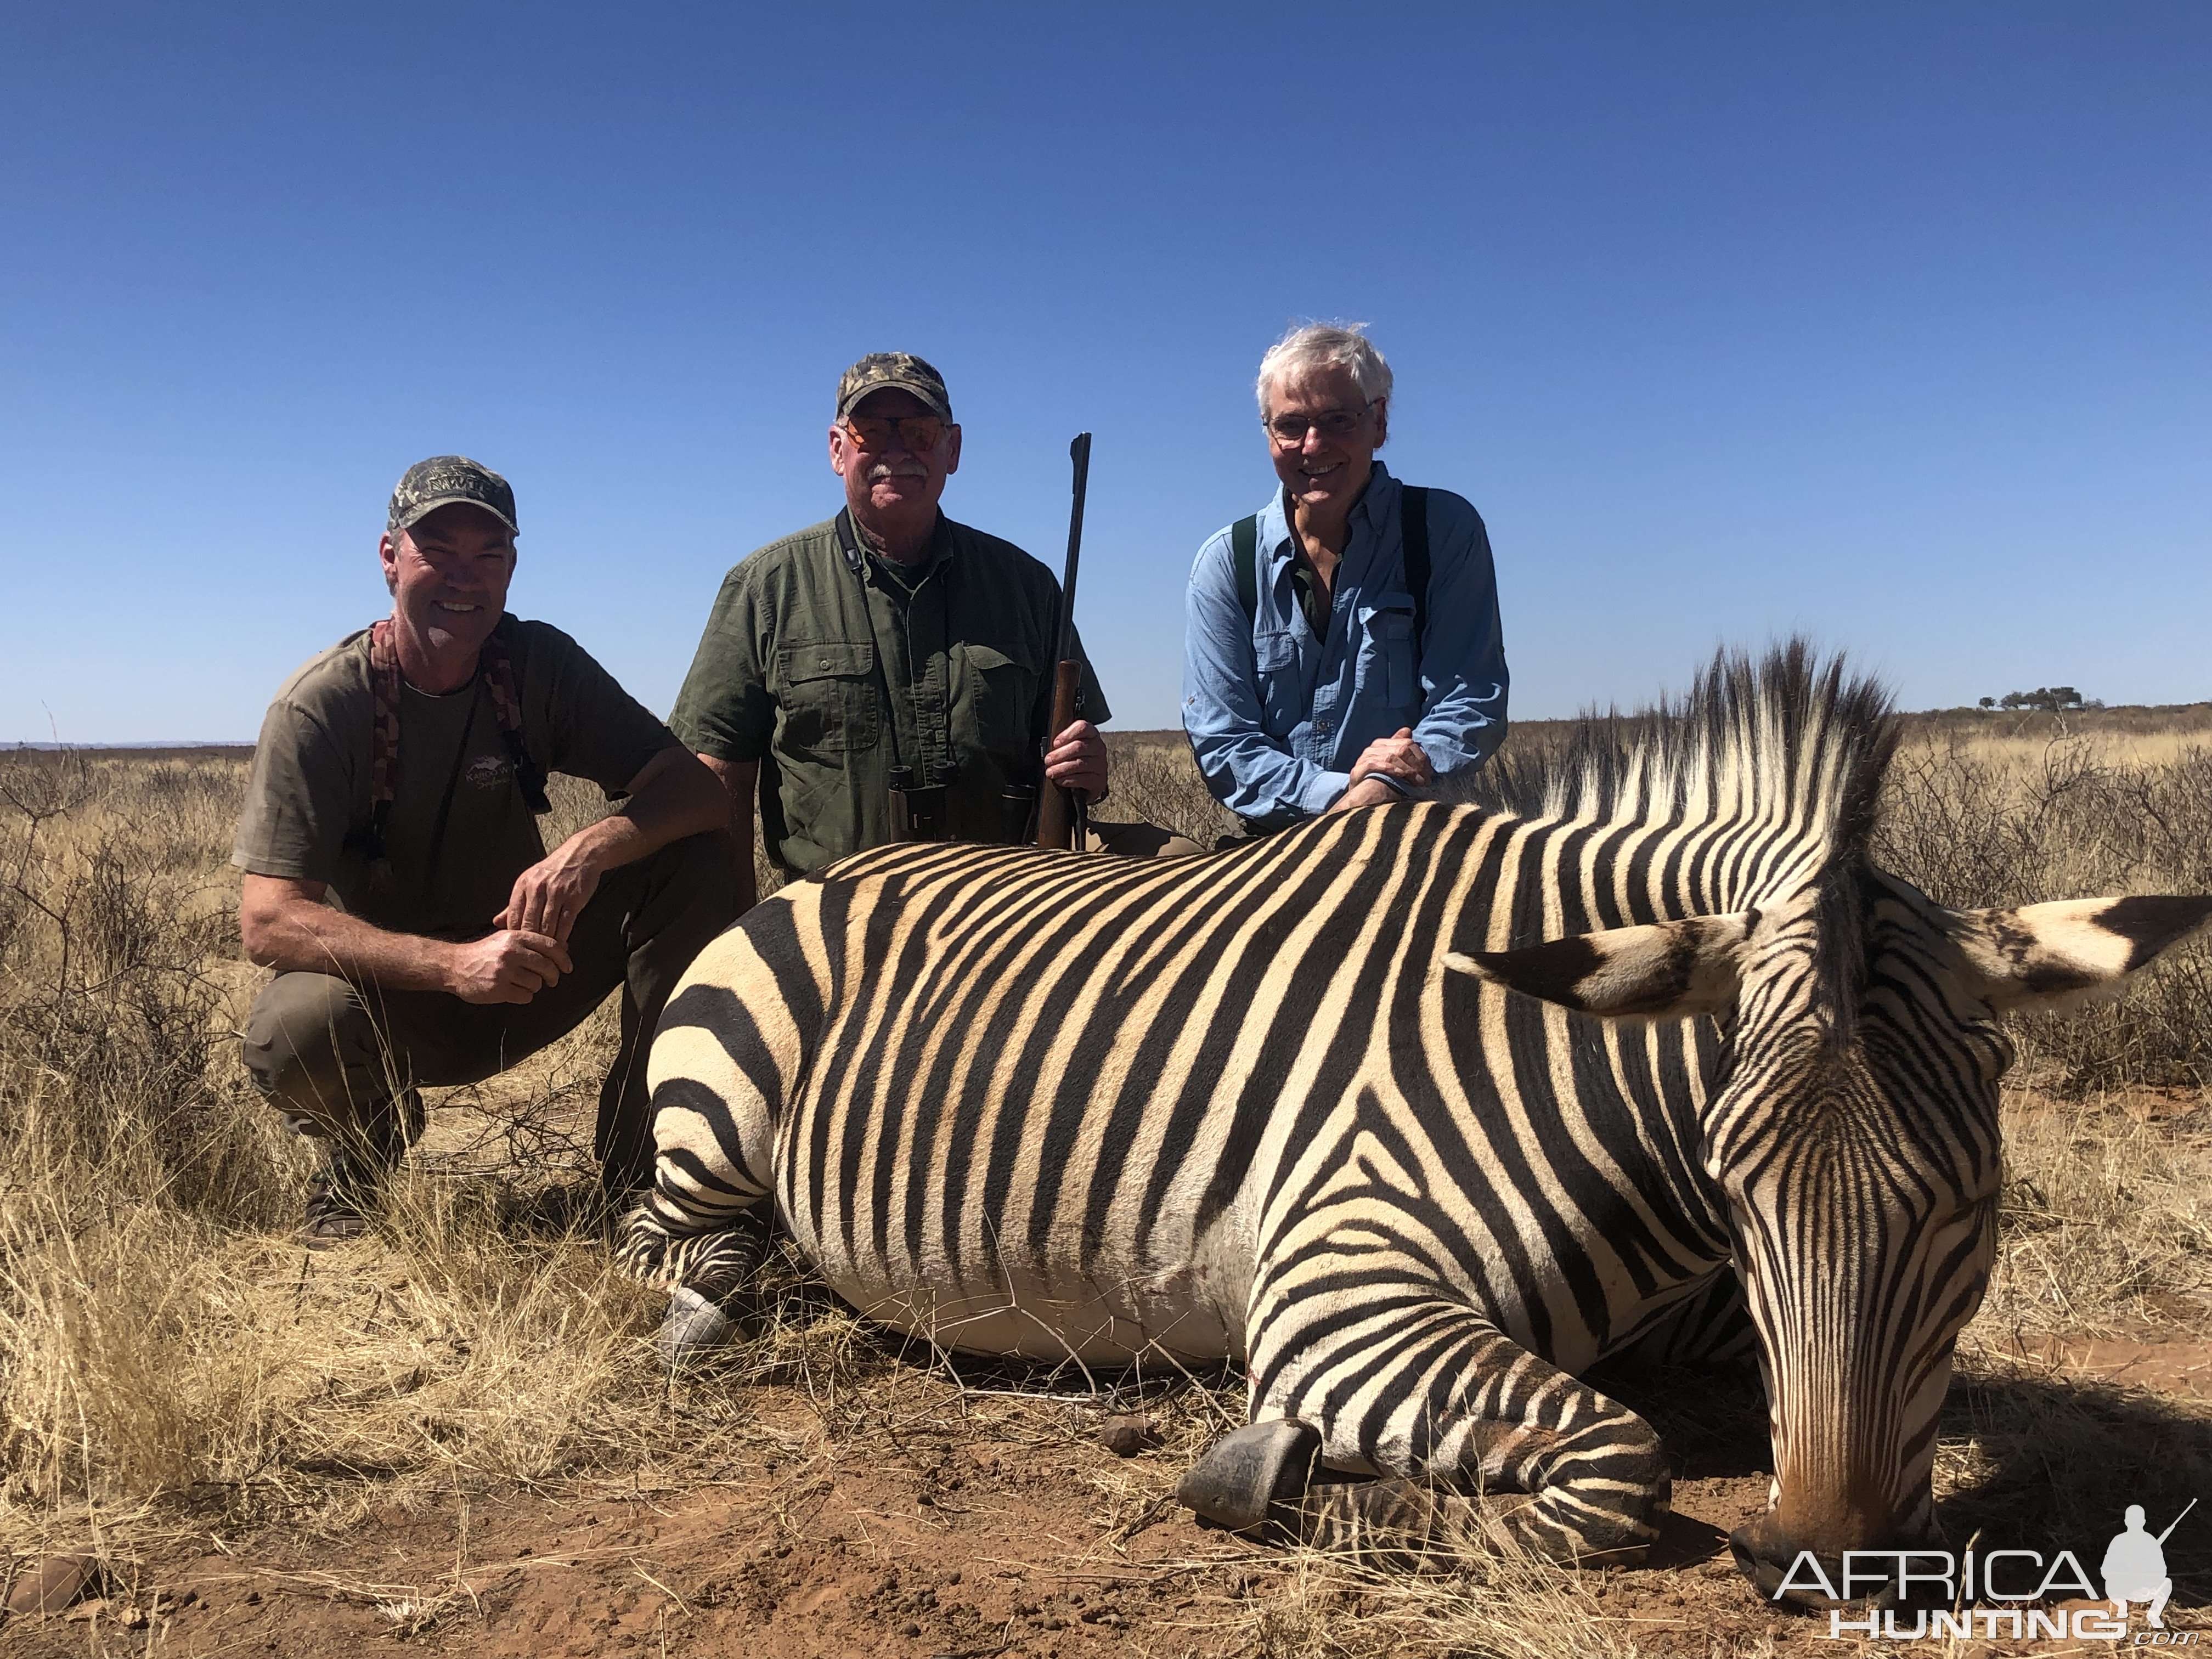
(384, 740)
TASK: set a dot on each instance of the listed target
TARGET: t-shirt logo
(489, 771)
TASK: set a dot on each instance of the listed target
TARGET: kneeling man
(395, 877)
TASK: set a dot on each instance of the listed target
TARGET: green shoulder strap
(1415, 514)
(1244, 556)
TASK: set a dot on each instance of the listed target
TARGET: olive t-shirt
(460, 831)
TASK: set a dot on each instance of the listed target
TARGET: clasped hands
(1397, 757)
(528, 951)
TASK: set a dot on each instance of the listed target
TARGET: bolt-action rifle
(2168, 1532)
(1060, 811)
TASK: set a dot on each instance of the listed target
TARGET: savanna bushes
(2003, 823)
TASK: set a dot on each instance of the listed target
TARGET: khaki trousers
(336, 1058)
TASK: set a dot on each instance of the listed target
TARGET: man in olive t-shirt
(395, 876)
(890, 637)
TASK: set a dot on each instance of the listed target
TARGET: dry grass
(2006, 822)
(162, 1339)
(168, 1360)
(2107, 1220)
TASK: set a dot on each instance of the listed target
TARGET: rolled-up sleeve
(1253, 775)
(1463, 674)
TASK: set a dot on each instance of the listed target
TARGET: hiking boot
(333, 1216)
(340, 1201)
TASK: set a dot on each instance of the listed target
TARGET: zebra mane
(1785, 738)
(1787, 741)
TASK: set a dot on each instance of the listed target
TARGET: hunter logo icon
(2134, 1567)
(1996, 1593)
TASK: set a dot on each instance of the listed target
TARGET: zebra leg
(1430, 1392)
(709, 1277)
(723, 1061)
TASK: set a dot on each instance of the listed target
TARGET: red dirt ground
(992, 1547)
(1015, 1533)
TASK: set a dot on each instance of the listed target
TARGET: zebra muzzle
(1242, 1474)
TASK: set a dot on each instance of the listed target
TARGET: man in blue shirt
(1336, 656)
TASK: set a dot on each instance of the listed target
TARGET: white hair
(1326, 345)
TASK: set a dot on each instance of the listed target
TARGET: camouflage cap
(441, 480)
(885, 371)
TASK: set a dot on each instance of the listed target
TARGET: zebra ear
(1664, 970)
(2051, 956)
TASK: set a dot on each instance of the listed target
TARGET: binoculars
(923, 811)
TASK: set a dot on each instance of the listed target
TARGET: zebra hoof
(1242, 1474)
(694, 1326)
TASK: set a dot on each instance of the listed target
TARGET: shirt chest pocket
(829, 703)
(1386, 668)
(1275, 653)
(997, 692)
(1282, 681)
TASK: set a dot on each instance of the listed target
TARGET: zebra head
(1852, 1127)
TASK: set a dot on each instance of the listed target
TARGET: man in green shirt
(395, 877)
(889, 637)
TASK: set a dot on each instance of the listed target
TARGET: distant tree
(1989, 702)
(2051, 699)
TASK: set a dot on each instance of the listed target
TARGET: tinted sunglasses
(915, 433)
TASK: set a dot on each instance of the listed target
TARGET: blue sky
(1887, 322)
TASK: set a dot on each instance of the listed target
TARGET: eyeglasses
(917, 434)
(1290, 429)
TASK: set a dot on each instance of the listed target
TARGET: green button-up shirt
(829, 670)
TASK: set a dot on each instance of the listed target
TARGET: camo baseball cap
(902, 371)
(444, 479)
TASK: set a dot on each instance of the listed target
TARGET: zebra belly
(1102, 1306)
(1033, 1316)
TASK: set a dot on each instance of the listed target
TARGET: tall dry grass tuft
(118, 941)
(158, 1355)
(160, 1335)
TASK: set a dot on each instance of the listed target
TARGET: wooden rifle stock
(1060, 811)
(1056, 807)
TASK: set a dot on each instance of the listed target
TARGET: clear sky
(1890, 322)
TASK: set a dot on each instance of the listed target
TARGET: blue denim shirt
(1277, 719)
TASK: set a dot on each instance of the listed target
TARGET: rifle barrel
(1080, 453)
(2177, 1520)
(1057, 810)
